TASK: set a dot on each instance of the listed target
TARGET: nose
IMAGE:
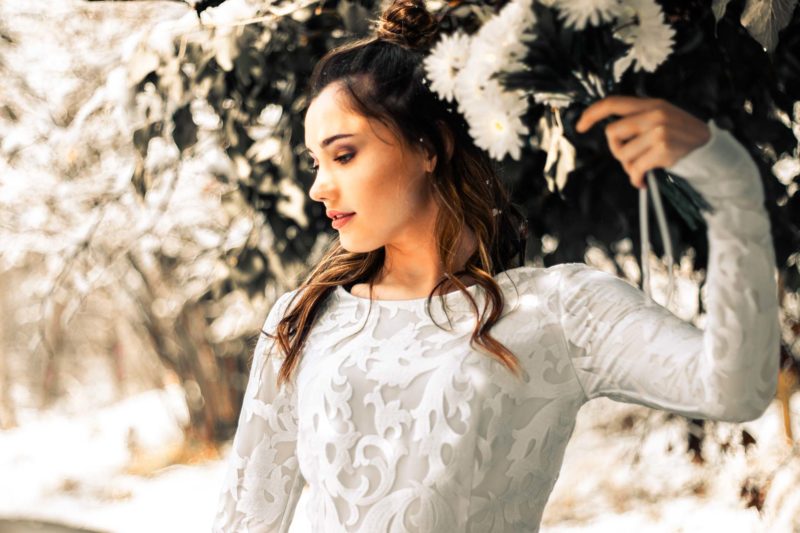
(322, 189)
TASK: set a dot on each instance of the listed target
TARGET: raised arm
(263, 482)
(625, 346)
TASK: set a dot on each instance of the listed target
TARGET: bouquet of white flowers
(564, 54)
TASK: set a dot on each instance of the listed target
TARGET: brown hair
(385, 79)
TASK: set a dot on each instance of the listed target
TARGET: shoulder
(582, 288)
(279, 308)
(568, 279)
(288, 297)
(550, 275)
(539, 282)
(269, 328)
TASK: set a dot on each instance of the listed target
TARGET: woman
(398, 423)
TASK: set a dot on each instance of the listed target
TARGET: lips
(340, 221)
(338, 214)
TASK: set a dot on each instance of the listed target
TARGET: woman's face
(363, 167)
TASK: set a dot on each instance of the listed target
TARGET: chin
(355, 246)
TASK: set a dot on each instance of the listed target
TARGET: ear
(430, 162)
(447, 137)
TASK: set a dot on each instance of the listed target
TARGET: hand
(650, 133)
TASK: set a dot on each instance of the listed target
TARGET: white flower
(578, 13)
(469, 84)
(477, 93)
(497, 125)
(501, 38)
(641, 24)
(516, 16)
(462, 67)
(497, 46)
(485, 58)
(445, 61)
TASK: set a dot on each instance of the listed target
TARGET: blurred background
(153, 206)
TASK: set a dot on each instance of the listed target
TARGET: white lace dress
(397, 425)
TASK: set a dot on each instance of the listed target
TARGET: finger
(614, 105)
(631, 150)
(651, 159)
(622, 131)
(636, 124)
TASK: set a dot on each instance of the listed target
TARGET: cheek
(398, 200)
(406, 184)
(389, 189)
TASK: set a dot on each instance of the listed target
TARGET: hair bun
(407, 23)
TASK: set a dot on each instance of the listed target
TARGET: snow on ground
(74, 470)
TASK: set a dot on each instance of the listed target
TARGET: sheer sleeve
(625, 346)
(263, 481)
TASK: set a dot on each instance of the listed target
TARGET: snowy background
(110, 457)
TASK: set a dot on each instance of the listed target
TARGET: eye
(342, 157)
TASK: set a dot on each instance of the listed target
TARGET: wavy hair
(384, 78)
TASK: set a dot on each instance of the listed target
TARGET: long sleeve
(263, 482)
(625, 346)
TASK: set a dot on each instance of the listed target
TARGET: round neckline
(341, 290)
(448, 297)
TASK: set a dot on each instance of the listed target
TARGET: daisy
(517, 15)
(483, 61)
(578, 13)
(498, 46)
(493, 115)
(641, 24)
(497, 125)
(501, 38)
(469, 84)
(445, 61)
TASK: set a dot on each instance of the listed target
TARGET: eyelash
(350, 155)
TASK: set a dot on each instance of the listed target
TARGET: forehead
(330, 113)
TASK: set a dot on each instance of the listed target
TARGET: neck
(415, 269)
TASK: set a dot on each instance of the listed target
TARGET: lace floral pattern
(399, 425)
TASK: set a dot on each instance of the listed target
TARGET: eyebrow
(330, 139)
